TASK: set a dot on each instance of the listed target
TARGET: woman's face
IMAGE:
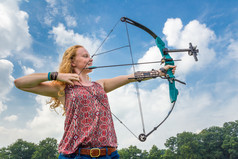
(82, 59)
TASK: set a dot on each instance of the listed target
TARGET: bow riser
(173, 91)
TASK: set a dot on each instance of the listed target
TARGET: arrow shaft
(141, 63)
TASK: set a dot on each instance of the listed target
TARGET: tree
(155, 153)
(230, 143)
(46, 149)
(185, 145)
(132, 153)
(211, 140)
(4, 153)
(21, 150)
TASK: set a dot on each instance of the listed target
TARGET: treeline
(212, 143)
(46, 149)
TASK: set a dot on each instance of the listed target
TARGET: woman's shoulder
(99, 82)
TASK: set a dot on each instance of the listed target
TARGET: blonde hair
(64, 67)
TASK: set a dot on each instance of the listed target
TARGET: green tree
(172, 146)
(155, 153)
(4, 153)
(132, 153)
(185, 145)
(21, 150)
(47, 149)
(189, 145)
(211, 140)
(230, 143)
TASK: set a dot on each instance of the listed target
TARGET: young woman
(88, 131)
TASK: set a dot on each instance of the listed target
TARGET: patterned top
(88, 121)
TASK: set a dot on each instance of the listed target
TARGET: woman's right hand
(68, 78)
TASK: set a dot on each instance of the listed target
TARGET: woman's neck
(84, 79)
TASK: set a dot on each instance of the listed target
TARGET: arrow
(142, 63)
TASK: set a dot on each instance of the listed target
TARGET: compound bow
(166, 59)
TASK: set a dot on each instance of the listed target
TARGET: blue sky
(34, 35)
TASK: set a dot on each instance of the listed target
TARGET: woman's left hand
(167, 67)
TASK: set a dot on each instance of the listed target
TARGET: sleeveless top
(88, 121)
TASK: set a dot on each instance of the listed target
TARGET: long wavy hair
(64, 67)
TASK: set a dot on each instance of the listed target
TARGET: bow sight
(192, 51)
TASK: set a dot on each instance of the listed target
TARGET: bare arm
(116, 82)
(38, 83)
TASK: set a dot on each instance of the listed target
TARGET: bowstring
(111, 50)
(136, 84)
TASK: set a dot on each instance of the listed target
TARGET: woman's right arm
(38, 83)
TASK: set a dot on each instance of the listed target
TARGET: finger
(172, 66)
(75, 77)
(69, 82)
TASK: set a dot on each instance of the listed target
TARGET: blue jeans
(114, 155)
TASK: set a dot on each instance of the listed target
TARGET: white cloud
(65, 38)
(97, 19)
(14, 31)
(198, 34)
(6, 84)
(155, 106)
(52, 3)
(70, 21)
(45, 124)
(2, 107)
(58, 8)
(153, 54)
(194, 111)
(15, 39)
(233, 50)
(51, 11)
(11, 118)
(172, 30)
(179, 38)
(28, 70)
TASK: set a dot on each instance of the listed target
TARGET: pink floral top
(88, 120)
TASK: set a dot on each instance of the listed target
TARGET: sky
(35, 34)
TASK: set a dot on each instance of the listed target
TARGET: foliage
(211, 143)
(21, 149)
(214, 142)
(46, 149)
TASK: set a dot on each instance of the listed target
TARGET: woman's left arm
(116, 82)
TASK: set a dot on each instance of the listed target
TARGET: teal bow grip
(173, 91)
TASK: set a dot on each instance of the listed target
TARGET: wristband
(53, 75)
(144, 75)
(49, 79)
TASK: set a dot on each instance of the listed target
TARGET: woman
(89, 130)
